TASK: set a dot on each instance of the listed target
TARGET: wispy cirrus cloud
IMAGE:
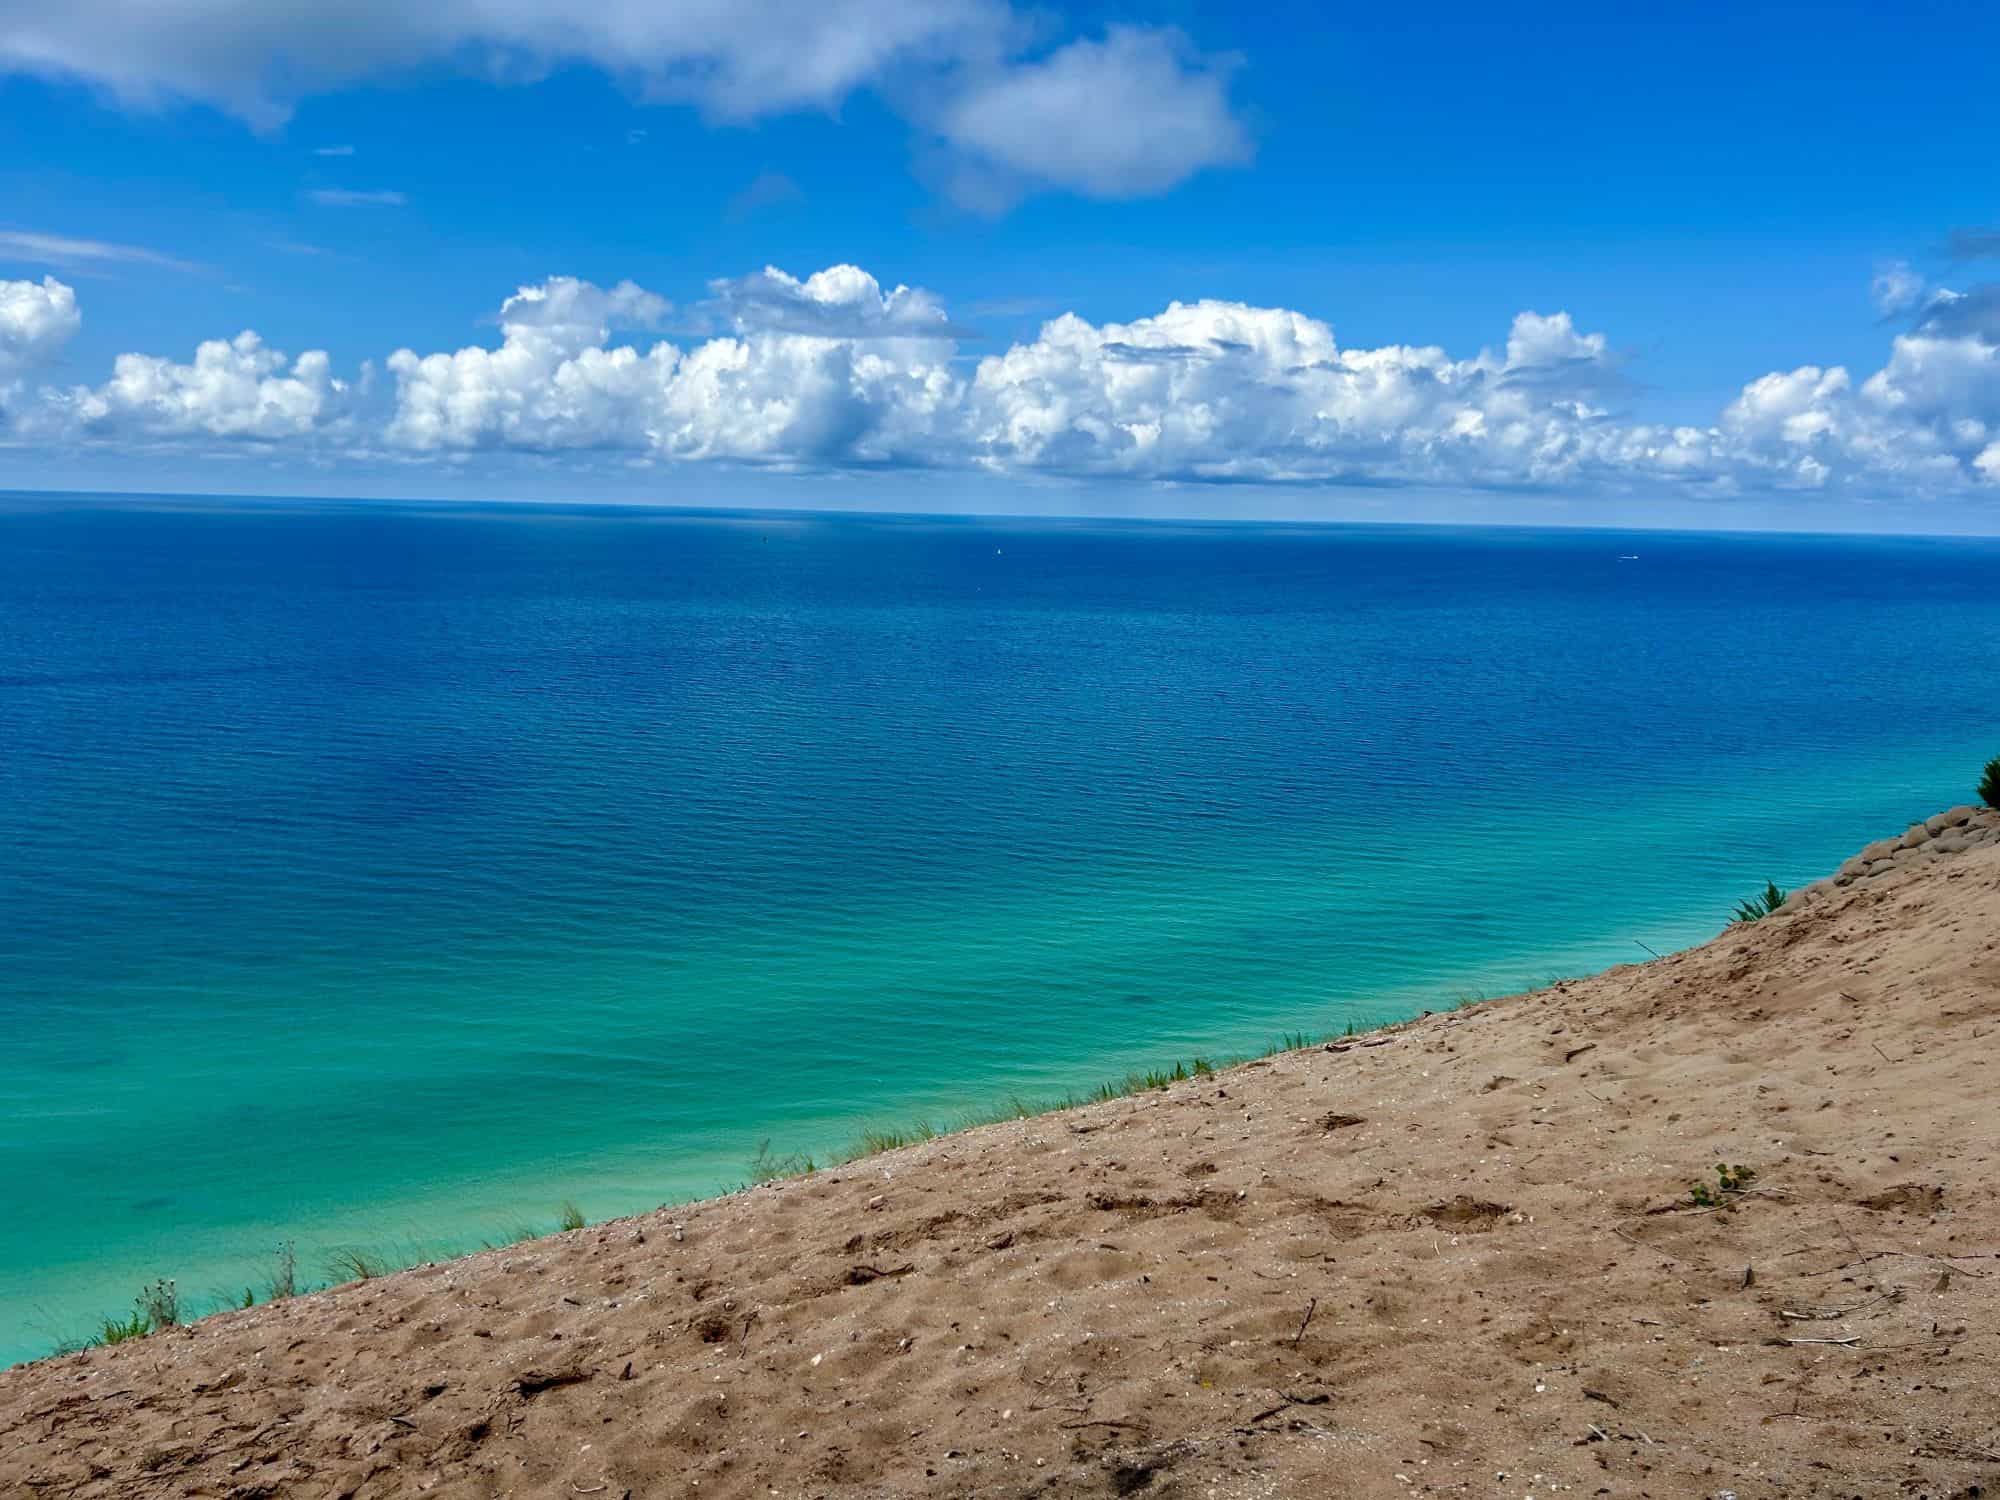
(80, 254)
(355, 198)
(333, 151)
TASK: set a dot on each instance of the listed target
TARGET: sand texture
(1456, 1257)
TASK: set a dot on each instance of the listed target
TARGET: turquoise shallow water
(385, 876)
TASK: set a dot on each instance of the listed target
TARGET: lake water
(383, 876)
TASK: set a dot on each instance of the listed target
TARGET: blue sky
(1716, 198)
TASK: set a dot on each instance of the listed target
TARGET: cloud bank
(1014, 105)
(835, 371)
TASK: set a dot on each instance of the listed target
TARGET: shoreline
(762, 1167)
(891, 1129)
(1951, 832)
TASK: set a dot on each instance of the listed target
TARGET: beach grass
(119, 1330)
(354, 1264)
(765, 1167)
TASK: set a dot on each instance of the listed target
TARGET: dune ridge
(1485, 1252)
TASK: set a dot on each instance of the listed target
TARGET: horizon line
(169, 497)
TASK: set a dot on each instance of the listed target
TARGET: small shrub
(1760, 905)
(1730, 1182)
(572, 1217)
(1989, 784)
(159, 1306)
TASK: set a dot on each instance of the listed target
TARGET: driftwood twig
(1311, 1307)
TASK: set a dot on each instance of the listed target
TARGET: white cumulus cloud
(233, 389)
(1223, 391)
(1924, 421)
(828, 370)
(839, 302)
(36, 319)
(552, 383)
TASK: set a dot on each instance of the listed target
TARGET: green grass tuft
(572, 1217)
(1760, 905)
(122, 1330)
(356, 1265)
(764, 1167)
(1989, 783)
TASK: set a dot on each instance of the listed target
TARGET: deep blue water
(384, 876)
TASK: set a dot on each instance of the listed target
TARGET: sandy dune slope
(1456, 1257)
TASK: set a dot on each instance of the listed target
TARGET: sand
(1456, 1257)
